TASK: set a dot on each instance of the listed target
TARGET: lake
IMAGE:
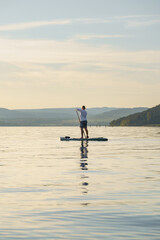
(68, 190)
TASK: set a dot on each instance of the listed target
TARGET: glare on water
(73, 190)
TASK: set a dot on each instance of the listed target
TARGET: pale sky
(68, 53)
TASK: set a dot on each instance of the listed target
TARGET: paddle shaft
(80, 121)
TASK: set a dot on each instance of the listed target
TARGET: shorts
(83, 124)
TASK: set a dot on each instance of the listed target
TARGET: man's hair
(83, 107)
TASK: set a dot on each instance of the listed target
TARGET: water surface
(69, 190)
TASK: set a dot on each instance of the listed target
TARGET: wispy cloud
(130, 21)
(27, 25)
(91, 20)
(103, 70)
(98, 36)
(35, 24)
(76, 55)
(139, 20)
(143, 23)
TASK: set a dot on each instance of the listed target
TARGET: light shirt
(83, 116)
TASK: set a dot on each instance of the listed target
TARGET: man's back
(83, 116)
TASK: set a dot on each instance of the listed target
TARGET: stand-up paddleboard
(83, 139)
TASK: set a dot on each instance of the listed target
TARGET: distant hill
(10, 114)
(49, 112)
(106, 117)
(44, 117)
(61, 116)
(52, 112)
(145, 118)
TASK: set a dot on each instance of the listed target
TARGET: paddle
(79, 121)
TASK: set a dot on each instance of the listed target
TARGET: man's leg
(81, 132)
(86, 132)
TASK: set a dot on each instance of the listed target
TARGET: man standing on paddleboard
(83, 120)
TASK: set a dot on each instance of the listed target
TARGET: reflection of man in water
(84, 154)
(84, 150)
(83, 163)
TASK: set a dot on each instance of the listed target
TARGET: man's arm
(78, 109)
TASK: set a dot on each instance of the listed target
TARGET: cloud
(130, 21)
(49, 67)
(37, 86)
(96, 36)
(30, 76)
(28, 25)
(76, 55)
(70, 64)
(92, 20)
(143, 23)
(139, 20)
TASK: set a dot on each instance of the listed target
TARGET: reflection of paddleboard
(83, 139)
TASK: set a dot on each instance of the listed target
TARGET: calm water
(64, 190)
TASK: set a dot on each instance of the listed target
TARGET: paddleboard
(83, 139)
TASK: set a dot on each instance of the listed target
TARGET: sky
(69, 53)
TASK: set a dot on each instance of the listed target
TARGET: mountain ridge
(60, 116)
(145, 118)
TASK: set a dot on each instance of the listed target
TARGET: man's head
(83, 107)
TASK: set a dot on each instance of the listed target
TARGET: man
(83, 120)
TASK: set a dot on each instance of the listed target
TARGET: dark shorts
(83, 124)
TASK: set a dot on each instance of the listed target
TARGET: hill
(61, 116)
(145, 118)
(106, 117)
(44, 117)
